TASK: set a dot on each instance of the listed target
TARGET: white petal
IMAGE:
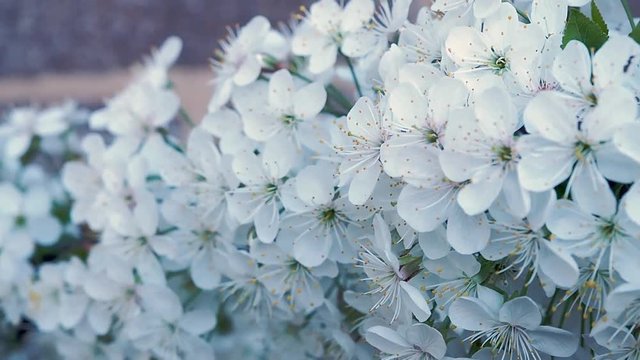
(558, 265)
(323, 58)
(281, 91)
(315, 184)
(149, 268)
(46, 230)
(632, 203)
(12, 200)
(496, 114)
(161, 301)
(415, 302)
(359, 43)
(471, 314)
(309, 101)
(408, 106)
(204, 270)
(553, 341)
(424, 209)
(460, 226)
(543, 171)
(364, 120)
(428, 339)
(17, 145)
(267, 222)
(569, 222)
(363, 184)
(484, 8)
(548, 116)
(626, 138)
(467, 47)
(356, 14)
(434, 244)
(476, 197)
(458, 166)
(611, 60)
(248, 71)
(198, 321)
(599, 125)
(386, 340)
(572, 68)
(521, 311)
(312, 249)
(591, 191)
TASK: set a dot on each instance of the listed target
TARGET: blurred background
(83, 49)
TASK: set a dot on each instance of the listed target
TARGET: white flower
(512, 329)
(457, 275)
(195, 244)
(156, 67)
(243, 285)
(240, 61)
(623, 305)
(608, 239)
(258, 201)
(618, 340)
(171, 333)
(413, 342)
(481, 8)
(138, 111)
(27, 215)
(57, 298)
(482, 153)
(388, 278)
(281, 114)
(432, 201)
(423, 42)
(525, 244)
(561, 146)
(317, 220)
(200, 178)
(88, 182)
(328, 28)
(226, 125)
(503, 49)
(584, 79)
(287, 278)
(361, 165)
(23, 124)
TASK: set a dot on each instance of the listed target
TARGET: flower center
(503, 152)
(582, 149)
(21, 221)
(430, 136)
(289, 120)
(327, 216)
(271, 189)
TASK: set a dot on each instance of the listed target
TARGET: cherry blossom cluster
(374, 179)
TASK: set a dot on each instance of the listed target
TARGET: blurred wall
(87, 35)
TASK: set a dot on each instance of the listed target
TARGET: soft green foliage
(580, 27)
(635, 34)
(597, 17)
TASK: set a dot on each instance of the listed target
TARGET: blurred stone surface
(89, 35)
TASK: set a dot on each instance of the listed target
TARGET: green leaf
(596, 15)
(581, 28)
(635, 34)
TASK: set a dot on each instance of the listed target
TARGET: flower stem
(627, 10)
(353, 74)
(185, 116)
